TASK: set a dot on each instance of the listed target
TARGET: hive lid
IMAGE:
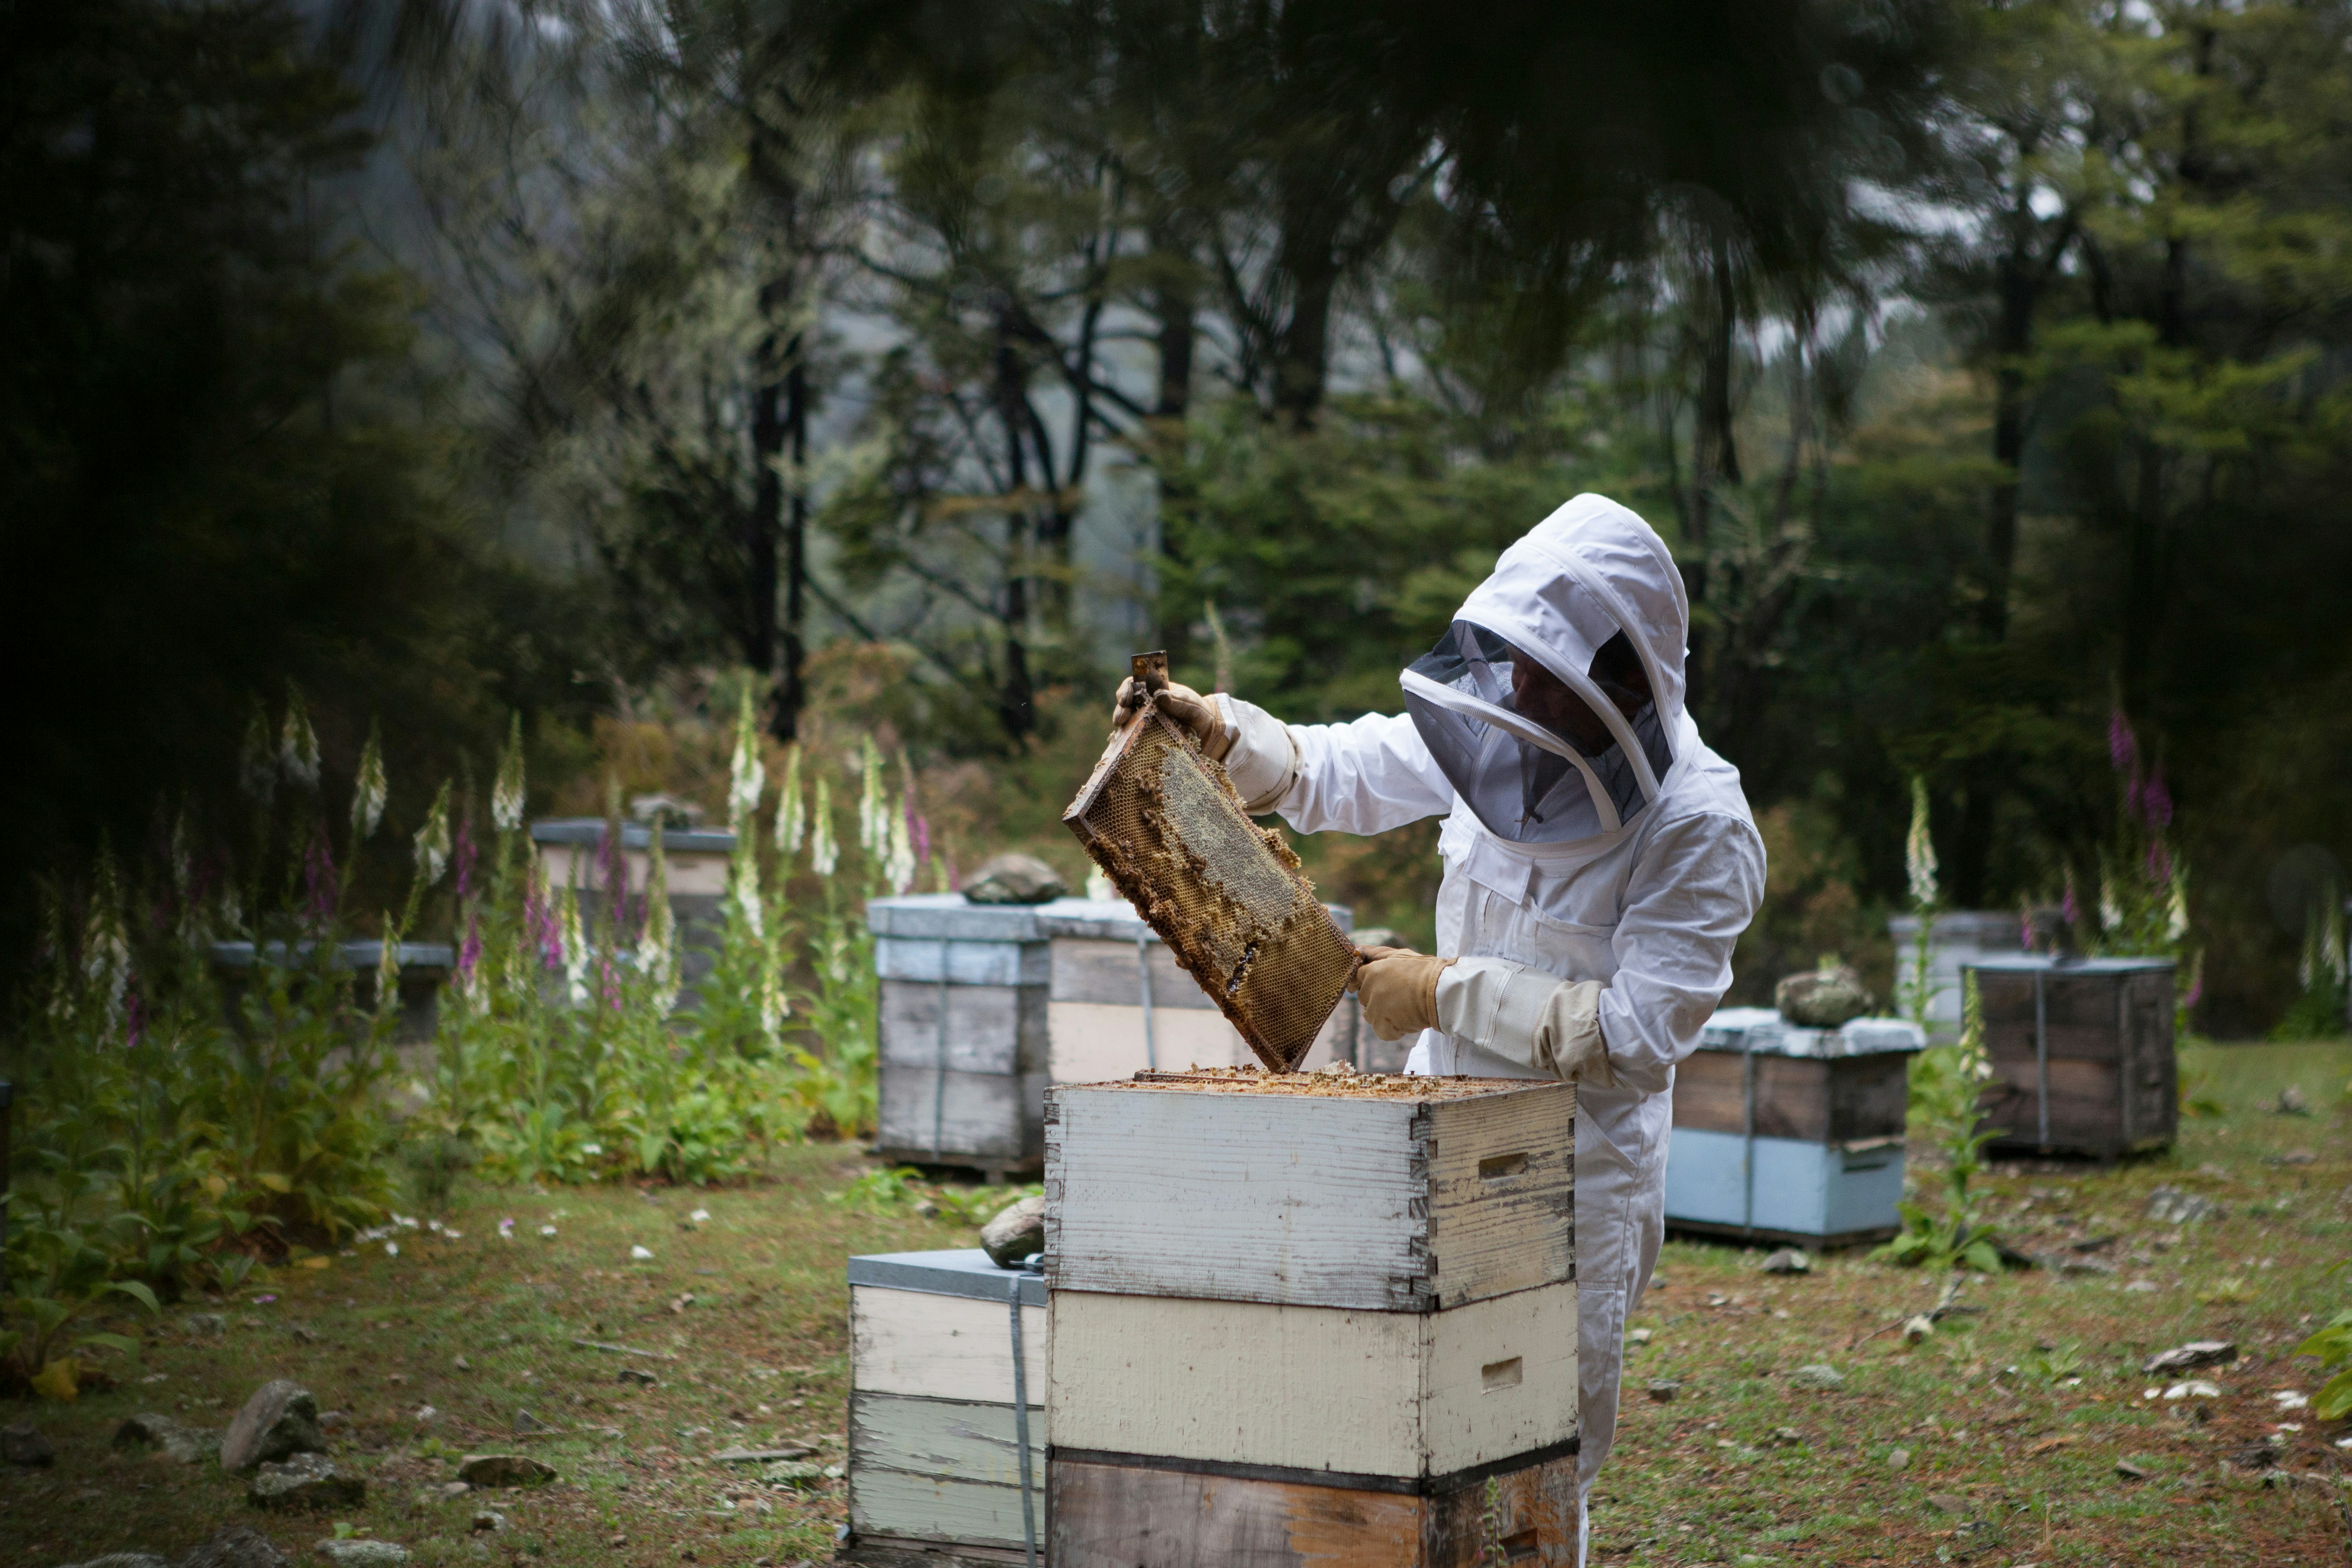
(2020, 963)
(959, 1271)
(1228, 897)
(590, 831)
(1761, 1030)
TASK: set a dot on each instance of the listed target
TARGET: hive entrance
(1227, 897)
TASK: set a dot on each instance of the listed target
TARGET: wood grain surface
(1830, 1100)
(943, 1347)
(1315, 1388)
(1108, 1515)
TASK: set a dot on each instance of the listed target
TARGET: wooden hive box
(935, 1448)
(1788, 1134)
(984, 1004)
(2081, 1054)
(1310, 1281)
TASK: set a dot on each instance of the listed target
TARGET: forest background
(912, 362)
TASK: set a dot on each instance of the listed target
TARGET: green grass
(761, 1355)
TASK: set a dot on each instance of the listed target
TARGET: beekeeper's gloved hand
(1398, 988)
(1536, 1020)
(1186, 706)
(1260, 755)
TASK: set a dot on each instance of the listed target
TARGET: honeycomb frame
(1228, 897)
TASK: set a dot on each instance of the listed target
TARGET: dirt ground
(1997, 1440)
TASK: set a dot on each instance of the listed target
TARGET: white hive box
(984, 1004)
(1352, 1285)
(1788, 1134)
(1959, 938)
(934, 1446)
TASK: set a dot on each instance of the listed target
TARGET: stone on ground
(185, 1445)
(363, 1553)
(504, 1470)
(2196, 1352)
(238, 1546)
(1817, 1375)
(279, 1421)
(22, 1443)
(306, 1480)
(125, 1560)
(1788, 1261)
(1016, 1233)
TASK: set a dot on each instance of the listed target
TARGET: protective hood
(1541, 745)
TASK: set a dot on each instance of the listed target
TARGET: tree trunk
(791, 693)
(763, 523)
(1174, 306)
(1302, 344)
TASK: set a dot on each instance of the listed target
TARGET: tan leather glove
(1183, 704)
(1398, 988)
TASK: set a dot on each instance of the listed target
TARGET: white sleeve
(1694, 889)
(1365, 776)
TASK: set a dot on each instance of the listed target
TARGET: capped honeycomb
(1228, 897)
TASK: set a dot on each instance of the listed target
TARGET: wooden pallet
(1121, 1510)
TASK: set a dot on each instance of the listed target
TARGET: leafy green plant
(1945, 1082)
(2333, 1346)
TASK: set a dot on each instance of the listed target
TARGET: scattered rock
(1900, 1459)
(504, 1470)
(279, 1421)
(638, 1376)
(303, 1334)
(306, 1480)
(2196, 1352)
(332, 1420)
(926, 1209)
(1916, 1327)
(238, 1546)
(1637, 1336)
(1018, 1230)
(2141, 1287)
(2130, 1471)
(1948, 1502)
(2194, 1388)
(1013, 878)
(1823, 998)
(800, 1474)
(2294, 1157)
(2261, 1456)
(23, 1444)
(462, 1365)
(206, 1325)
(761, 1456)
(527, 1423)
(1818, 1376)
(453, 1489)
(2096, 1243)
(2290, 1103)
(1788, 1261)
(488, 1520)
(1664, 1390)
(125, 1560)
(363, 1553)
(2178, 1207)
(1787, 1438)
(186, 1445)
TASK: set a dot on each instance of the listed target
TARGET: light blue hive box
(1791, 1134)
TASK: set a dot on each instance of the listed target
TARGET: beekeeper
(1600, 863)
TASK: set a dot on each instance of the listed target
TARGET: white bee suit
(1661, 872)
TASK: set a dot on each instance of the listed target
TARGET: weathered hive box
(694, 865)
(1959, 938)
(1788, 1134)
(2082, 1053)
(984, 1004)
(935, 1443)
(1311, 1307)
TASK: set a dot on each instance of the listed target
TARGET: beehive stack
(934, 1443)
(984, 1004)
(1316, 1310)
(1789, 1134)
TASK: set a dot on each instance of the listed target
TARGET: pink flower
(2122, 748)
(2068, 906)
(2156, 801)
(2196, 987)
(320, 884)
(135, 1020)
(470, 954)
(920, 829)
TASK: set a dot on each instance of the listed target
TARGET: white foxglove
(823, 853)
(747, 776)
(369, 790)
(1919, 849)
(506, 792)
(431, 839)
(298, 744)
(873, 811)
(791, 825)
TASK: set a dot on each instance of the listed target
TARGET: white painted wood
(983, 1116)
(963, 962)
(955, 1440)
(1391, 1393)
(692, 871)
(942, 1347)
(937, 1508)
(1108, 972)
(1093, 1041)
(990, 1029)
(1384, 1203)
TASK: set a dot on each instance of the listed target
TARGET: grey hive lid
(590, 831)
(357, 955)
(1760, 1031)
(960, 1271)
(2026, 963)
